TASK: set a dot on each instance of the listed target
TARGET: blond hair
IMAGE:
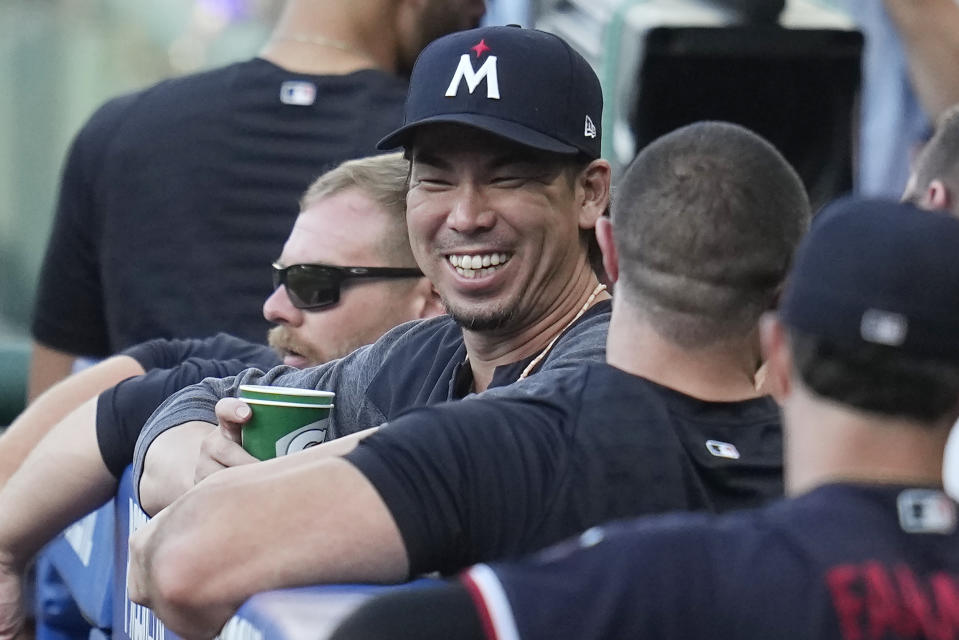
(384, 179)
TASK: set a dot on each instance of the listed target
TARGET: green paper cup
(286, 394)
(278, 428)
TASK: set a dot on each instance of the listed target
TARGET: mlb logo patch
(298, 92)
(722, 449)
(883, 327)
(926, 511)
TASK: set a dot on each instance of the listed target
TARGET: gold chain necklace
(322, 41)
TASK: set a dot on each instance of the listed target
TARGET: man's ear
(776, 356)
(592, 192)
(604, 236)
(937, 196)
(429, 304)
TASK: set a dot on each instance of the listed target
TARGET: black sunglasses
(313, 286)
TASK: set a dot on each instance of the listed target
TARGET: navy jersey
(842, 562)
(496, 477)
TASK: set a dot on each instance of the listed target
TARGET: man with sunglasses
(352, 215)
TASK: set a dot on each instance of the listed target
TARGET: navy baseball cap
(524, 85)
(879, 272)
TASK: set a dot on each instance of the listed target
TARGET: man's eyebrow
(430, 160)
(510, 159)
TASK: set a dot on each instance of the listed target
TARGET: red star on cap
(481, 48)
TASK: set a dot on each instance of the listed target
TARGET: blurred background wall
(61, 59)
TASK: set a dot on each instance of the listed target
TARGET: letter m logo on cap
(464, 70)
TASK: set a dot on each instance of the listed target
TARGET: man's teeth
(472, 266)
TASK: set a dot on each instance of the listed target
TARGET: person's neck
(487, 350)
(719, 373)
(830, 443)
(329, 41)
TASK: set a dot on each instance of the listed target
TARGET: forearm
(55, 404)
(930, 35)
(170, 465)
(63, 478)
(262, 527)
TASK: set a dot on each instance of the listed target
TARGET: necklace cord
(542, 354)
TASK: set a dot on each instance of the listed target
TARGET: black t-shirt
(484, 479)
(170, 366)
(843, 562)
(175, 200)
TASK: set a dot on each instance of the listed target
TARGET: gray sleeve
(348, 377)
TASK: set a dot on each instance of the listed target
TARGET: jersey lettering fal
(836, 563)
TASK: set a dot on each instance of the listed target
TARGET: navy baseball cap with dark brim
(523, 85)
(878, 272)
(525, 136)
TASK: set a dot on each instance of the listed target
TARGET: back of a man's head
(872, 310)
(706, 221)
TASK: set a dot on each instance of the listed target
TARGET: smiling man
(501, 128)
(673, 420)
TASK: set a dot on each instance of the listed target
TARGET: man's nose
(470, 211)
(279, 310)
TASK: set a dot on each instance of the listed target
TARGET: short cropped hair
(384, 179)
(706, 220)
(939, 158)
(876, 378)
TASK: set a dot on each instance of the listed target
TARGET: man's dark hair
(876, 378)
(939, 158)
(706, 222)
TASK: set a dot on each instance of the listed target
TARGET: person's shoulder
(714, 534)
(584, 340)
(419, 334)
(439, 328)
(109, 117)
(168, 96)
(186, 93)
(602, 382)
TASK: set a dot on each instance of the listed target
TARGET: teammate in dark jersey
(934, 184)
(673, 421)
(866, 353)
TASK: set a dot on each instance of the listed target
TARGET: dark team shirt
(175, 200)
(160, 353)
(492, 478)
(842, 562)
(170, 366)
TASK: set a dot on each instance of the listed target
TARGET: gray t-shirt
(415, 364)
